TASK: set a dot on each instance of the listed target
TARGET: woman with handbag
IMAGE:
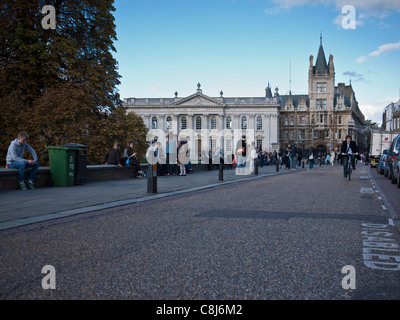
(311, 159)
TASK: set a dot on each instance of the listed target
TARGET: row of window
(321, 105)
(228, 144)
(213, 124)
(318, 134)
(321, 119)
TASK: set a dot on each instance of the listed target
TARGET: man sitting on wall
(15, 160)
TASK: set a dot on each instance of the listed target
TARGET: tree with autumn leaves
(60, 85)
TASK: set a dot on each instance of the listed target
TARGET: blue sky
(237, 46)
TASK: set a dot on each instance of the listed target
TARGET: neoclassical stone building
(211, 122)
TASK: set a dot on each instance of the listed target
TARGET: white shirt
(349, 149)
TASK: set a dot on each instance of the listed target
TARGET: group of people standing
(167, 160)
(292, 156)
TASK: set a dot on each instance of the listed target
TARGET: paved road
(278, 237)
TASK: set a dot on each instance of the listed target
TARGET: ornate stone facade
(324, 117)
(211, 122)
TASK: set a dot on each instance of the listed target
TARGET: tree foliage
(61, 85)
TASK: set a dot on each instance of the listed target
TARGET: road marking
(376, 239)
(384, 208)
(366, 190)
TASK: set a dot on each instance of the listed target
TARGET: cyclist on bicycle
(348, 150)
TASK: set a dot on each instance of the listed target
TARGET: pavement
(21, 208)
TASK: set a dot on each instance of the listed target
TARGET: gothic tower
(321, 82)
(321, 91)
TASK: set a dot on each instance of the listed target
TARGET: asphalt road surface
(303, 235)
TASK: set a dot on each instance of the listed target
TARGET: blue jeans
(311, 164)
(346, 163)
(291, 162)
(21, 166)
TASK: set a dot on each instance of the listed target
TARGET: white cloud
(366, 9)
(376, 8)
(385, 48)
(381, 49)
(361, 59)
(373, 110)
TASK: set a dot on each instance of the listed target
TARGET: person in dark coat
(113, 156)
(348, 150)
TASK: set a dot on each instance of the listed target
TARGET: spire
(321, 66)
(268, 92)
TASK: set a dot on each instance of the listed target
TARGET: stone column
(175, 124)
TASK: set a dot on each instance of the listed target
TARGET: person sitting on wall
(15, 160)
(131, 158)
(113, 156)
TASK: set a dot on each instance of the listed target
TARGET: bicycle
(349, 163)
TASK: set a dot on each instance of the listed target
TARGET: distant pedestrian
(241, 149)
(131, 158)
(172, 150)
(302, 157)
(333, 155)
(289, 158)
(182, 157)
(311, 159)
(294, 157)
(113, 156)
(15, 160)
(299, 156)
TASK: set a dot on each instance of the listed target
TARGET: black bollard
(152, 178)
(221, 172)
(256, 167)
(277, 165)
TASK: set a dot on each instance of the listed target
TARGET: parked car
(388, 162)
(394, 155)
(382, 160)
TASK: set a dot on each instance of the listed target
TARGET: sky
(239, 46)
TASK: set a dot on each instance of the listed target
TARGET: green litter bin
(63, 163)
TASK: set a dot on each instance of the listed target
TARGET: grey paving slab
(25, 207)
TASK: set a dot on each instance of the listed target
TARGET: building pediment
(200, 100)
